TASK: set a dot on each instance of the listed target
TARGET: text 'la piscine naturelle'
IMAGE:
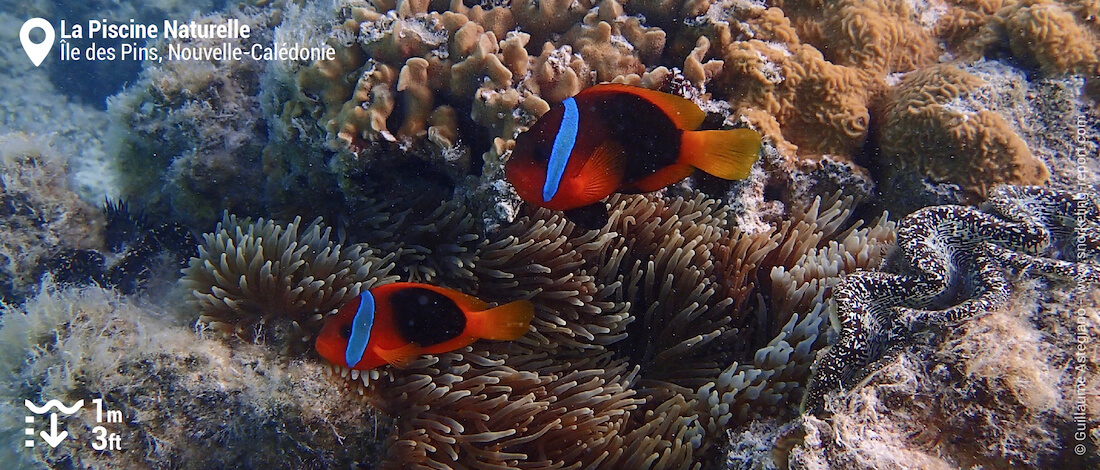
(172, 29)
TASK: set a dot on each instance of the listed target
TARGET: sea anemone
(247, 274)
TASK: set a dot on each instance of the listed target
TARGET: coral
(558, 73)
(39, 213)
(951, 267)
(820, 107)
(424, 90)
(932, 126)
(414, 84)
(684, 319)
(883, 37)
(1053, 36)
(248, 274)
(805, 75)
(613, 44)
(248, 407)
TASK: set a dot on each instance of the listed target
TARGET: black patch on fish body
(648, 135)
(538, 141)
(426, 317)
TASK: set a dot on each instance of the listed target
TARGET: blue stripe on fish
(563, 147)
(360, 330)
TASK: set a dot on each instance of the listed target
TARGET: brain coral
(1053, 36)
(434, 93)
(934, 122)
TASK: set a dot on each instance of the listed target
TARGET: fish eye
(345, 331)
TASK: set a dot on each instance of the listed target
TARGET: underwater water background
(204, 202)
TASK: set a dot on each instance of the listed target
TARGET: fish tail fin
(504, 323)
(727, 154)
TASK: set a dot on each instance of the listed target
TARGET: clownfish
(621, 138)
(396, 323)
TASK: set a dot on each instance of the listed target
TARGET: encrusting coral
(952, 265)
(435, 92)
(683, 317)
(432, 94)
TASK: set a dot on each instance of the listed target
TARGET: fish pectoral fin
(400, 357)
(603, 172)
(727, 154)
(504, 323)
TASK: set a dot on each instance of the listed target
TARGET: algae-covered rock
(187, 401)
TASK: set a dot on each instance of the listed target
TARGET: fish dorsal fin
(683, 113)
(400, 357)
(603, 171)
(504, 323)
(727, 154)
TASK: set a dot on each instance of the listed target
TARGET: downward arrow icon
(53, 438)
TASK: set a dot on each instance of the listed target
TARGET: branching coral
(658, 332)
(952, 266)
(417, 83)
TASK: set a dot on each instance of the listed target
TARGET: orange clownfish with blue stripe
(621, 138)
(396, 323)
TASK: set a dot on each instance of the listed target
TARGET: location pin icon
(37, 52)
